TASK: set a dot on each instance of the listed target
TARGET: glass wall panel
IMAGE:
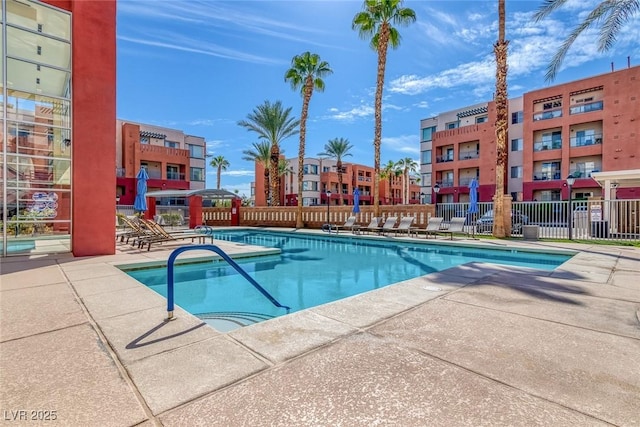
(39, 79)
(39, 18)
(37, 48)
(35, 130)
(29, 107)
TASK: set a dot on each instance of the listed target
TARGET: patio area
(479, 344)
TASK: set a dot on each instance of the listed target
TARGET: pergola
(207, 193)
(616, 179)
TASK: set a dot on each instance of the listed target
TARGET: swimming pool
(313, 270)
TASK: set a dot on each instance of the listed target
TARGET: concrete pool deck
(478, 344)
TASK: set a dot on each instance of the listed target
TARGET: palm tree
(611, 15)
(390, 171)
(305, 74)
(261, 153)
(221, 164)
(500, 49)
(272, 123)
(375, 23)
(407, 165)
(337, 148)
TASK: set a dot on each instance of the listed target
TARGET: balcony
(446, 183)
(586, 108)
(120, 172)
(546, 115)
(364, 178)
(582, 141)
(547, 145)
(582, 171)
(469, 154)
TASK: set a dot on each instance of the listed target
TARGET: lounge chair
(133, 229)
(404, 226)
(374, 223)
(456, 226)
(433, 226)
(349, 224)
(389, 225)
(158, 235)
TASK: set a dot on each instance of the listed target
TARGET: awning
(205, 193)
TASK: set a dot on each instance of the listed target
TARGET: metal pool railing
(224, 256)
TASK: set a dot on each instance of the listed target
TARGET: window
(427, 133)
(516, 144)
(196, 151)
(516, 171)
(310, 169)
(196, 174)
(173, 173)
(144, 140)
(309, 185)
(482, 119)
(171, 144)
(426, 157)
(516, 117)
(451, 125)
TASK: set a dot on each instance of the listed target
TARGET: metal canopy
(205, 193)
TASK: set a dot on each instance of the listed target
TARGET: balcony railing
(442, 159)
(582, 141)
(470, 154)
(464, 182)
(175, 176)
(586, 108)
(446, 183)
(583, 172)
(551, 145)
(364, 178)
(154, 174)
(546, 115)
(120, 172)
(546, 176)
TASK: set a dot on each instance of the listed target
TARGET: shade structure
(356, 201)
(473, 196)
(140, 203)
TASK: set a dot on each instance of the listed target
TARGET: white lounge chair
(348, 224)
(456, 226)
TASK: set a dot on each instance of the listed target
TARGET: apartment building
(576, 128)
(321, 175)
(174, 160)
(57, 128)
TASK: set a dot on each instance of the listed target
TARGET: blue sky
(201, 66)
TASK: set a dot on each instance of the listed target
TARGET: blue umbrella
(140, 203)
(473, 196)
(356, 201)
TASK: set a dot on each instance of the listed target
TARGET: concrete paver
(561, 363)
(365, 381)
(477, 344)
(69, 372)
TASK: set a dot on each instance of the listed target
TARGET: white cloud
(240, 172)
(403, 144)
(351, 115)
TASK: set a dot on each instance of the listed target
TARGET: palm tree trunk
(218, 176)
(377, 135)
(308, 88)
(339, 166)
(267, 184)
(500, 49)
(274, 176)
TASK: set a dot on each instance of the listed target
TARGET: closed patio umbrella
(356, 201)
(473, 203)
(140, 203)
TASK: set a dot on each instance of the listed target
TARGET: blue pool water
(313, 270)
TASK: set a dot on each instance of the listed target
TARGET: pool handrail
(224, 256)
